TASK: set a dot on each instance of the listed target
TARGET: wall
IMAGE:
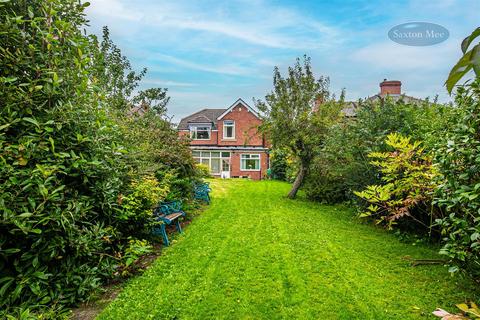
(255, 175)
(246, 123)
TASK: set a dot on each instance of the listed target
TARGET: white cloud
(222, 69)
(256, 23)
(168, 83)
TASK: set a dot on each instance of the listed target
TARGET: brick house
(227, 141)
(390, 88)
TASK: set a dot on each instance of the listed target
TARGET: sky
(210, 53)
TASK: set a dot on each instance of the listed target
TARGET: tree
(297, 114)
(118, 81)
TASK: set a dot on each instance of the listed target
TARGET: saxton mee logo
(418, 34)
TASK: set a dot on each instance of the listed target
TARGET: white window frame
(194, 129)
(257, 156)
(207, 155)
(231, 123)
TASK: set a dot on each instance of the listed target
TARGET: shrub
(135, 216)
(134, 251)
(408, 184)
(459, 190)
(76, 186)
(279, 164)
(203, 170)
(59, 177)
(341, 165)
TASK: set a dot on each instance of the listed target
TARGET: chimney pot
(390, 87)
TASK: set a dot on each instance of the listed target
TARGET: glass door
(225, 165)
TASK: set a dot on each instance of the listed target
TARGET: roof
(202, 116)
(211, 116)
(351, 107)
(239, 100)
(138, 110)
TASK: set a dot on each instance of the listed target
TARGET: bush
(203, 170)
(341, 165)
(459, 190)
(279, 164)
(407, 184)
(76, 186)
(59, 177)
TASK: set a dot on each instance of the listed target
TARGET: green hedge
(78, 174)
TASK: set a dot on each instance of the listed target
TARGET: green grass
(253, 254)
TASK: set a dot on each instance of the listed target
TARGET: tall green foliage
(290, 118)
(342, 166)
(76, 171)
(58, 178)
(459, 191)
(407, 184)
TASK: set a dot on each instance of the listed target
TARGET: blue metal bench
(168, 213)
(201, 191)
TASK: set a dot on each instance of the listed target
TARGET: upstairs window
(229, 129)
(200, 132)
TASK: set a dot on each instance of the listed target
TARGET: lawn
(253, 254)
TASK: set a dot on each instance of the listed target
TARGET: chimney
(390, 87)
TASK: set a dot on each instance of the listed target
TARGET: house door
(225, 168)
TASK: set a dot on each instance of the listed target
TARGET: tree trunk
(298, 180)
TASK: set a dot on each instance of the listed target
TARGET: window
(200, 132)
(250, 162)
(212, 159)
(229, 129)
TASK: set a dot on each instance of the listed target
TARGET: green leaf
(458, 71)
(31, 120)
(25, 215)
(10, 79)
(58, 189)
(40, 275)
(8, 281)
(43, 190)
(475, 59)
(30, 12)
(11, 250)
(466, 42)
(22, 161)
(52, 143)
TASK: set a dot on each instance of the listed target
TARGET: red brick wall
(255, 175)
(246, 123)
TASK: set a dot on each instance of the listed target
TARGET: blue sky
(209, 53)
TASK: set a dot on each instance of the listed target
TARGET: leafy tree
(155, 99)
(297, 114)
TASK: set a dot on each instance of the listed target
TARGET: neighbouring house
(228, 141)
(390, 88)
